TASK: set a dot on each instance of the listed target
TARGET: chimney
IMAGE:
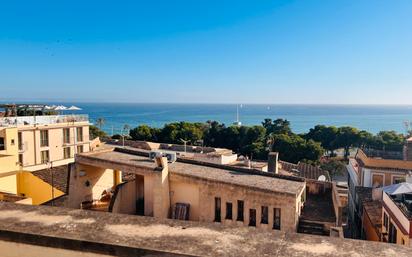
(377, 194)
(161, 162)
(273, 164)
(247, 163)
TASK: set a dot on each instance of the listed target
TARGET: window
(44, 156)
(276, 218)
(217, 209)
(2, 146)
(12, 142)
(79, 132)
(265, 215)
(44, 138)
(385, 221)
(80, 149)
(66, 153)
(252, 217)
(21, 159)
(398, 179)
(229, 215)
(66, 136)
(377, 180)
(20, 139)
(240, 206)
(393, 232)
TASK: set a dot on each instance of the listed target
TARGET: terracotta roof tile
(60, 176)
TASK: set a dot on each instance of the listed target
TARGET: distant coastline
(373, 118)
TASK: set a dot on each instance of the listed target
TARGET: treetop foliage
(273, 135)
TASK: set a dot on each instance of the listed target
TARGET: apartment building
(397, 214)
(365, 171)
(185, 190)
(37, 142)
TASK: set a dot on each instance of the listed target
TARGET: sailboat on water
(237, 122)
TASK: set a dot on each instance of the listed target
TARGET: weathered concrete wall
(161, 192)
(90, 186)
(125, 201)
(201, 197)
(317, 187)
(183, 192)
(337, 205)
(216, 158)
(11, 249)
(149, 182)
(370, 232)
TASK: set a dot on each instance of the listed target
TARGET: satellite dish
(322, 178)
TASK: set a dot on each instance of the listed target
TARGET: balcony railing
(41, 120)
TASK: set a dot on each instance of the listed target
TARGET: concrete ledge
(80, 232)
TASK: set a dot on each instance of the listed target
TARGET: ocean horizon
(373, 118)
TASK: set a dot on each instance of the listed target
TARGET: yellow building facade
(29, 144)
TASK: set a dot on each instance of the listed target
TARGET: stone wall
(201, 197)
(87, 183)
(316, 187)
(125, 198)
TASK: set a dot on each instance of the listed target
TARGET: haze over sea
(373, 118)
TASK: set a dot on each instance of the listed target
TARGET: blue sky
(308, 51)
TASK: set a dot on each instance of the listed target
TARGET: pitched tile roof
(60, 177)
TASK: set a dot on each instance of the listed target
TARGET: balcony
(42, 120)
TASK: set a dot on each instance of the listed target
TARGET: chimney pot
(273, 162)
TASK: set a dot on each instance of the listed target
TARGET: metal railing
(41, 120)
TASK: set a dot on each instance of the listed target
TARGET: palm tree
(100, 122)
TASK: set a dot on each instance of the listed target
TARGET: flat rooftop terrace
(127, 235)
(200, 170)
(271, 184)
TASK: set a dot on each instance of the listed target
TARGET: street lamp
(126, 127)
(50, 167)
(184, 142)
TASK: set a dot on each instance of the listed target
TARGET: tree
(347, 137)
(116, 136)
(231, 138)
(325, 135)
(213, 135)
(278, 126)
(174, 132)
(365, 139)
(100, 123)
(293, 148)
(335, 167)
(95, 132)
(252, 141)
(391, 140)
(142, 133)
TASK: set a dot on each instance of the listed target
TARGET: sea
(373, 118)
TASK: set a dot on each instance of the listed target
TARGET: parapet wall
(170, 147)
(50, 231)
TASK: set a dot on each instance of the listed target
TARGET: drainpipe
(35, 147)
